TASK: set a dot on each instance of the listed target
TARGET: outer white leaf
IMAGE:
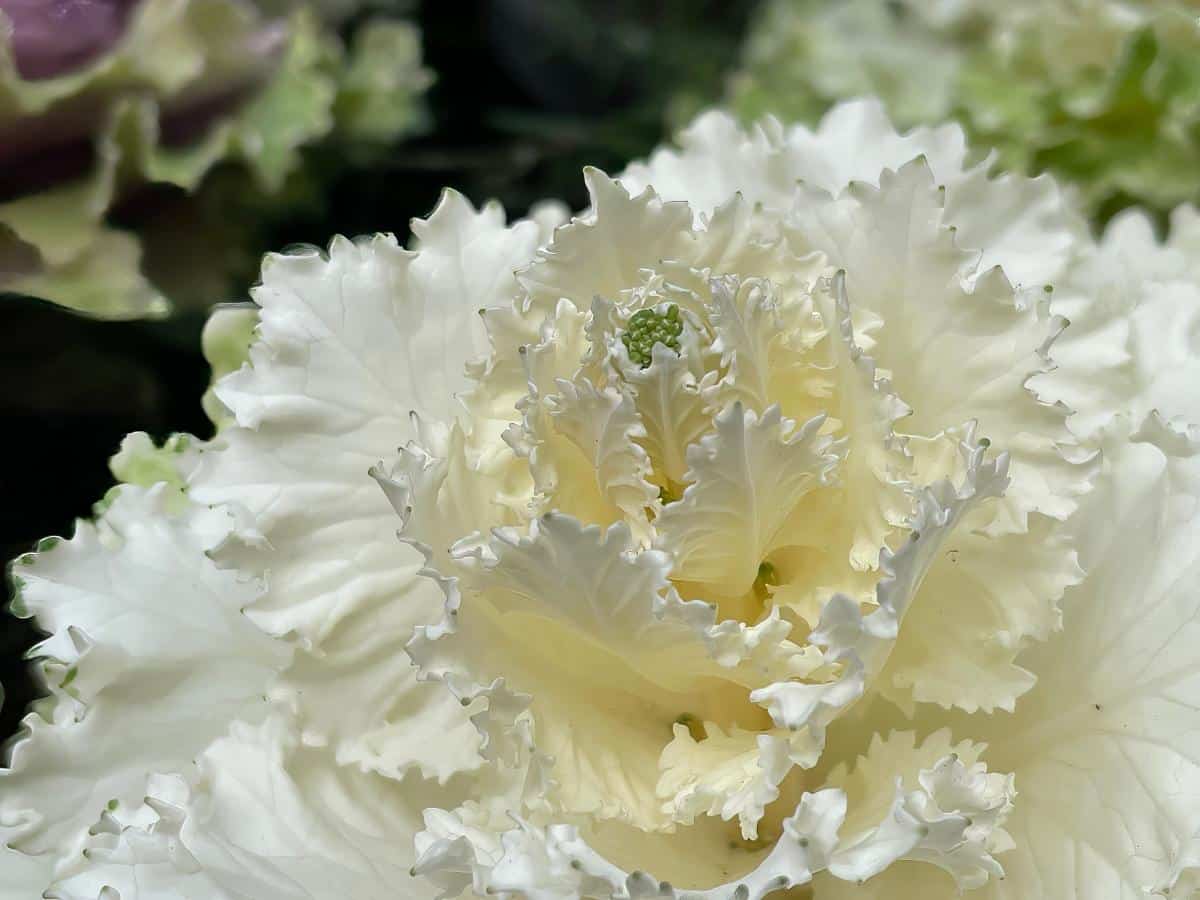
(718, 159)
(266, 818)
(137, 854)
(465, 262)
(1106, 747)
(746, 480)
(395, 723)
(1027, 226)
(347, 346)
(148, 660)
(1133, 344)
(25, 875)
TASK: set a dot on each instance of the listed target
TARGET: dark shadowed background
(527, 93)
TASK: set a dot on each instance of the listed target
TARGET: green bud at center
(647, 328)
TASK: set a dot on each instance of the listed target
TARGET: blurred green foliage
(1105, 95)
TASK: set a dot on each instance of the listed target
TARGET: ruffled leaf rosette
(100, 101)
(1105, 94)
(746, 535)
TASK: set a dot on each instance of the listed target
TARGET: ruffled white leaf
(442, 500)
(456, 848)
(554, 356)
(746, 481)
(604, 427)
(873, 476)
(727, 774)
(903, 264)
(865, 643)
(559, 349)
(746, 319)
(861, 645)
(584, 576)
(439, 498)
(556, 862)
(601, 252)
(347, 346)
(764, 338)
(672, 410)
(148, 660)
(395, 723)
(946, 818)
(736, 238)
(982, 602)
(762, 653)
(441, 494)
(1029, 227)
(947, 821)
(955, 783)
(594, 634)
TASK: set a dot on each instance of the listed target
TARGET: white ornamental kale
(763, 530)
